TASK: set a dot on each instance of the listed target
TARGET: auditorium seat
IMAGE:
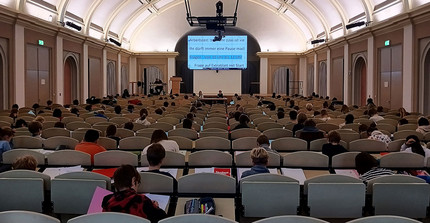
(68, 158)
(155, 183)
(267, 195)
(244, 132)
(291, 219)
(196, 218)
(289, 144)
(115, 158)
(26, 216)
(172, 159)
(10, 156)
(210, 158)
(305, 159)
(134, 143)
(212, 143)
(384, 219)
(243, 159)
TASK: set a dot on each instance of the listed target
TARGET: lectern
(176, 84)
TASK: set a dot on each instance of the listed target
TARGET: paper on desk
(224, 171)
(173, 172)
(348, 172)
(96, 201)
(53, 172)
(163, 200)
(241, 170)
(297, 174)
(44, 151)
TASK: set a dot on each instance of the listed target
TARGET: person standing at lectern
(158, 89)
(220, 95)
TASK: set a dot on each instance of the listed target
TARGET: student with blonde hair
(260, 158)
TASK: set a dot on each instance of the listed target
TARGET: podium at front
(176, 84)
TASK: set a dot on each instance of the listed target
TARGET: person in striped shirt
(367, 167)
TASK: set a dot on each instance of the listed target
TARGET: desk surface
(213, 99)
(224, 207)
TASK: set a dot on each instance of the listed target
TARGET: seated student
(374, 134)
(57, 113)
(155, 156)
(243, 122)
(187, 124)
(423, 125)
(402, 121)
(373, 114)
(280, 114)
(293, 116)
(25, 163)
(159, 136)
(333, 147)
(413, 145)
(263, 142)
(367, 167)
(301, 118)
(310, 131)
(129, 126)
(6, 135)
(324, 115)
(259, 158)
(143, 117)
(349, 119)
(125, 199)
(89, 144)
(35, 128)
(110, 133)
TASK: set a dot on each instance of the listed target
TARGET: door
(359, 82)
(390, 77)
(94, 76)
(37, 79)
(281, 81)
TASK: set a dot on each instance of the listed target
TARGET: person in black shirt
(333, 147)
(155, 156)
(158, 89)
(243, 122)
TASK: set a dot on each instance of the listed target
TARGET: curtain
(124, 79)
(323, 79)
(152, 73)
(111, 86)
(283, 77)
(310, 81)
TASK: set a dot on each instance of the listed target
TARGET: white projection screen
(210, 82)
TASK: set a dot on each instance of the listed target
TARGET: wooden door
(390, 83)
(67, 81)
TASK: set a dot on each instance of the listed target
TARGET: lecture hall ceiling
(156, 25)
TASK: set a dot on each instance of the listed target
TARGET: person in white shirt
(159, 136)
(413, 145)
(143, 117)
(373, 113)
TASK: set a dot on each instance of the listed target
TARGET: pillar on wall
(316, 80)
(329, 73)
(132, 74)
(370, 66)
(408, 70)
(85, 74)
(346, 76)
(60, 71)
(263, 75)
(19, 65)
(104, 73)
(118, 75)
(303, 74)
(171, 71)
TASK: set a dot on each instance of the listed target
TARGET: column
(408, 70)
(263, 75)
(104, 72)
(19, 66)
(59, 71)
(370, 67)
(118, 75)
(303, 75)
(171, 71)
(85, 76)
(329, 73)
(346, 75)
(316, 80)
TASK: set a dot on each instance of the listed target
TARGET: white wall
(210, 82)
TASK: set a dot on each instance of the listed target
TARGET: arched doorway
(359, 82)
(322, 79)
(149, 75)
(310, 80)
(426, 82)
(70, 80)
(124, 78)
(282, 78)
(111, 83)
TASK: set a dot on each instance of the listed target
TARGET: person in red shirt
(89, 144)
(125, 199)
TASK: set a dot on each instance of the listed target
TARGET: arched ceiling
(156, 25)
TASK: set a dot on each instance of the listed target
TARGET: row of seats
(262, 195)
(137, 143)
(301, 159)
(114, 217)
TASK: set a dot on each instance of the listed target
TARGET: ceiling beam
(61, 11)
(320, 17)
(112, 16)
(89, 16)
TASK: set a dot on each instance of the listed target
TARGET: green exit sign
(41, 42)
(387, 42)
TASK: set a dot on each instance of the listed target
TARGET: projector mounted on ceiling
(216, 23)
